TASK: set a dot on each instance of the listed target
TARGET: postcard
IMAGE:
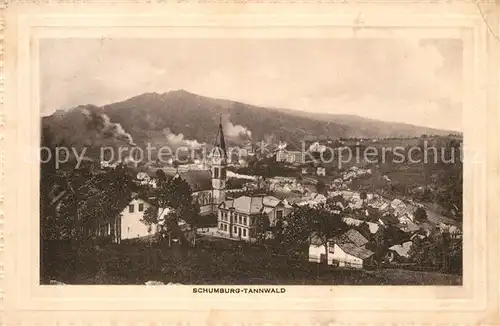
(264, 163)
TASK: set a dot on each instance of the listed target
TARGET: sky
(416, 81)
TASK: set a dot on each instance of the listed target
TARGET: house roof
(409, 227)
(353, 250)
(198, 180)
(352, 236)
(402, 249)
(252, 205)
(270, 201)
(315, 240)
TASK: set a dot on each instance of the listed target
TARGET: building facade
(127, 224)
(239, 218)
(292, 157)
(346, 250)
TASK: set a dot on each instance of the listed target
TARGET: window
(239, 219)
(235, 229)
(216, 173)
(131, 208)
(141, 207)
(220, 227)
(222, 173)
(245, 221)
(279, 214)
(244, 232)
(225, 227)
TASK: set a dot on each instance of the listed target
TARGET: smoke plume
(236, 132)
(101, 123)
(178, 140)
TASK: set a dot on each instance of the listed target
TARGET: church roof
(198, 180)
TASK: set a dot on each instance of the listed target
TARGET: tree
(150, 215)
(380, 244)
(262, 226)
(420, 214)
(426, 253)
(174, 195)
(320, 187)
(363, 195)
(364, 229)
(161, 176)
(84, 201)
(307, 221)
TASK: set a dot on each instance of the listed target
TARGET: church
(209, 186)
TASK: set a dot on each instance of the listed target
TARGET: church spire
(219, 139)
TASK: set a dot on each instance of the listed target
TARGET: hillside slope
(183, 118)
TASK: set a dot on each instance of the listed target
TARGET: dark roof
(198, 180)
(390, 219)
(355, 251)
(352, 236)
(351, 242)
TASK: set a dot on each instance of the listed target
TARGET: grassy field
(214, 262)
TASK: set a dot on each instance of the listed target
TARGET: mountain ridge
(181, 116)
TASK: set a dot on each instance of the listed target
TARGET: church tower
(219, 164)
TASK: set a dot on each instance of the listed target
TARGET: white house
(130, 225)
(346, 250)
(127, 224)
(321, 171)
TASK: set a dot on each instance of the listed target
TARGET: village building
(238, 218)
(292, 157)
(321, 171)
(146, 179)
(400, 252)
(409, 227)
(127, 223)
(357, 222)
(346, 250)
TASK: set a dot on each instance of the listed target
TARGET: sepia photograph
(247, 161)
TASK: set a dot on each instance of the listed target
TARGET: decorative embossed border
(24, 301)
